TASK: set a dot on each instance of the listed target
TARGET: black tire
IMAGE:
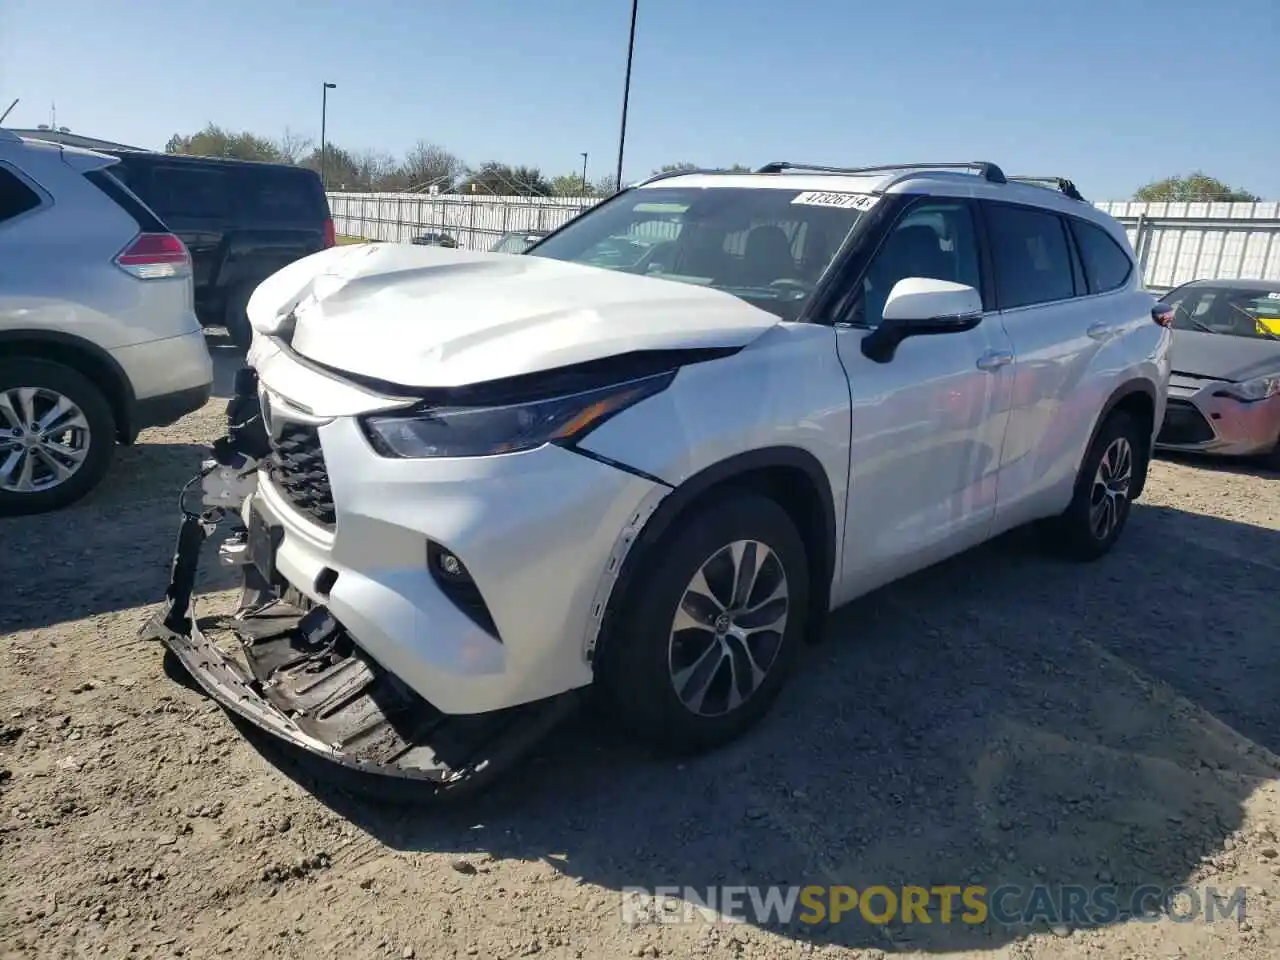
(633, 672)
(236, 316)
(1076, 534)
(18, 372)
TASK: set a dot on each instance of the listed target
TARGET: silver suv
(98, 332)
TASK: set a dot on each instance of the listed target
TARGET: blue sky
(1112, 93)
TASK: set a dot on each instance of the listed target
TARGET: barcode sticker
(845, 201)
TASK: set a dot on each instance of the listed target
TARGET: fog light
(450, 564)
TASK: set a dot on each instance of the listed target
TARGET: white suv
(651, 453)
(98, 335)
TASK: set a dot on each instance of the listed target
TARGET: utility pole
(584, 174)
(626, 92)
(324, 115)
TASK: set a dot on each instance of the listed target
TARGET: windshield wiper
(1193, 321)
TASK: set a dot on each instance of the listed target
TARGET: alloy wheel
(729, 628)
(44, 439)
(1110, 488)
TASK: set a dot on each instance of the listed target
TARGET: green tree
(501, 180)
(1196, 186)
(343, 170)
(214, 141)
(570, 185)
(680, 167)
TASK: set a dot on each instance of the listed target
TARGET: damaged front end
(286, 665)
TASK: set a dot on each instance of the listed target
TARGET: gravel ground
(1001, 718)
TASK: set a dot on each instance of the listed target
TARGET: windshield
(768, 246)
(1231, 311)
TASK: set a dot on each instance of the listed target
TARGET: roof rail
(985, 169)
(1062, 184)
(665, 174)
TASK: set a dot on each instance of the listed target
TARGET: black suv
(241, 220)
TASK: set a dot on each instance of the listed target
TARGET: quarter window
(1032, 260)
(16, 198)
(1106, 266)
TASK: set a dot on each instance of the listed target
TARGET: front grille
(296, 467)
(1184, 424)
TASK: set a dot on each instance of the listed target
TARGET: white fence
(1178, 242)
(1175, 242)
(474, 222)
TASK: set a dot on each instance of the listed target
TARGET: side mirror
(918, 306)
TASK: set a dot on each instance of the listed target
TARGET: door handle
(993, 360)
(1101, 331)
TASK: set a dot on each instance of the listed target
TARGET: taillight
(1162, 313)
(155, 256)
(330, 235)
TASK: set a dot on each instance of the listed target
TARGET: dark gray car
(1224, 393)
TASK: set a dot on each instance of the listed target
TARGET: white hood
(435, 317)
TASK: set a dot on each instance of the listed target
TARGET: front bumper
(293, 671)
(1200, 418)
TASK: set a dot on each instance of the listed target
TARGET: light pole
(584, 174)
(324, 115)
(626, 92)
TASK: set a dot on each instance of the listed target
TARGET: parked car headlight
(477, 431)
(1250, 391)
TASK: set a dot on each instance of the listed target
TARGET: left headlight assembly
(477, 431)
(1251, 391)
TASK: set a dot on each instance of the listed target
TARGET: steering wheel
(798, 286)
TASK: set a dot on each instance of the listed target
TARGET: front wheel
(710, 627)
(1099, 510)
(57, 436)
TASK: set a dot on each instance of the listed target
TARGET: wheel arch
(1137, 397)
(85, 357)
(792, 477)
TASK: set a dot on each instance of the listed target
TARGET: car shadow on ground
(111, 551)
(1000, 719)
(1248, 466)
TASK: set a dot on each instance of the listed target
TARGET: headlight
(1250, 391)
(478, 431)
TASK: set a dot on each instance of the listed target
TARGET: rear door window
(1106, 266)
(1033, 262)
(278, 196)
(191, 191)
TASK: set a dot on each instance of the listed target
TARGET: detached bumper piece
(295, 672)
(305, 681)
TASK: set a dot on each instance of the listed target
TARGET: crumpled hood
(1218, 356)
(434, 317)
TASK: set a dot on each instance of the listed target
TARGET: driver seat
(767, 256)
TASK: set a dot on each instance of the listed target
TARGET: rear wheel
(236, 316)
(57, 436)
(710, 627)
(1099, 510)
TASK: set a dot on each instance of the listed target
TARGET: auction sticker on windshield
(845, 201)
